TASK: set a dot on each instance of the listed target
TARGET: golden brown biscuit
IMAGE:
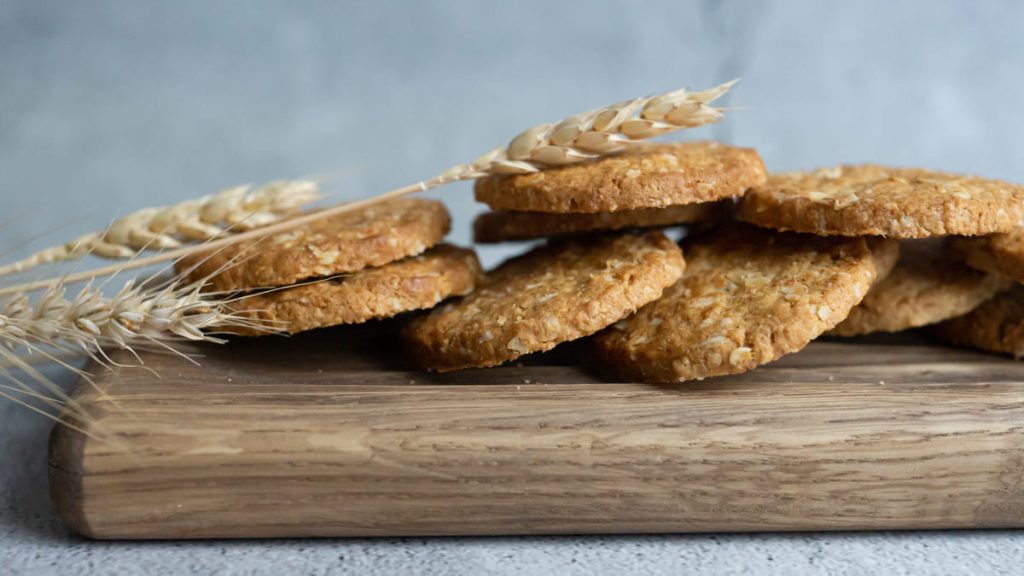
(748, 297)
(372, 236)
(998, 253)
(648, 176)
(927, 286)
(996, 325)
(886, 253)
(411, 284)
(552, 294)
(508, 225)
(882, 201)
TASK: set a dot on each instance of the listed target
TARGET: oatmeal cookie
(748, 296)
(647, 176)
(348, 242)
(414, 283)
(877, 200)
(927, 286)
(552, 294)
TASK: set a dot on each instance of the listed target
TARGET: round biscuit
(886, 252)
(1001, 254)
(995, 326)
(878, 200)
(748, 297)
(413, 283)
(646, 176)
(927, 286)
(552, 294)
(509, 225)
(371, 236)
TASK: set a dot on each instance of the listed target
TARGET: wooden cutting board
(330, 434)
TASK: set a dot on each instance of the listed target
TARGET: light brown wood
(328, 434)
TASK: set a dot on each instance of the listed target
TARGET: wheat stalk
(578, 138)
(91, 320)
(167, 227)
(55, 328)
(596, 133)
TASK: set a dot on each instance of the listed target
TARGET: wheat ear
(227, 212)
(54, 328)
(135, 315)
(597, 133)
(578, 138)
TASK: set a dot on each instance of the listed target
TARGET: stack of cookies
(768, 264)
(595, 271)
(955, 270)
(843, 251)
(372, 263)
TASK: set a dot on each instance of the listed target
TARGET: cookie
(414, 283)
(886, 253)
(882, 201)
(998, 253)
(995, 326)
(647, 176)
(927, 286)
(348, 242)
(748, 296)
(507, 225)
(552, 294)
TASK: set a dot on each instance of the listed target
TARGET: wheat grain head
(227, 212)
(582, 137)
(591, 135)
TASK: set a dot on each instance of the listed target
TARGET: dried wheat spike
(135, 316)
(578, 138)
(596, 133)
(227, 212)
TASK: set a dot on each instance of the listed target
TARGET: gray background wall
(108, 106)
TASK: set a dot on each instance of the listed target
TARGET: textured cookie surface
(928, 285)
(345, 243)
(877, 200)
(414, 283)
(998, 253)
(506, 225)
(748, 297)
(552, 294)
(648, 176)
(996, 325)
(886, 252)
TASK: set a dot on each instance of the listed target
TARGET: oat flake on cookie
(877, 200)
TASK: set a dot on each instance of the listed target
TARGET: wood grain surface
(329, 434)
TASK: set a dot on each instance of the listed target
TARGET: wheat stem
(579, 138)
(214, 245)
(191, 221)
(91, 320)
